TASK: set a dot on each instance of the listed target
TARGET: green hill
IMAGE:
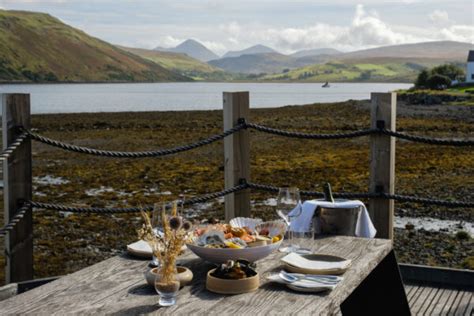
(38, 47)
(182, 64)
(362, 70)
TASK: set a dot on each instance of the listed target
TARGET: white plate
(317, 264)
(301, 286)
(221, 255)
(140, 249)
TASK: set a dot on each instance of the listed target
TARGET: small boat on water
(326, 85)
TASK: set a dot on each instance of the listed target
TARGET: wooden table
(372, 285)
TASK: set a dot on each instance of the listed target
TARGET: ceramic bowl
(185, 276)
(221, 255)
(225, 286)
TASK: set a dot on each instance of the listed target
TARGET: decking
(425, 299)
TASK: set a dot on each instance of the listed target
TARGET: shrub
(422, 79)
(439, 77)
(438, 82)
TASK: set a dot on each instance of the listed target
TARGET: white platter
(221, 255)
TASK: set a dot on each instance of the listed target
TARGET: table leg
(381, 293)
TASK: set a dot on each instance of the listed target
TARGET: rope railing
(15, 219)
(244, 185)
(137, 154)
(210, 196)
(13, 146)
(240, 126)
(378, 195)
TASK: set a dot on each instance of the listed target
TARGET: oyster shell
(271, 228)
(237, 241)
(245, 222)
(212, 237)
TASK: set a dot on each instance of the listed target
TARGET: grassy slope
(181, 63)
(373, 69)
(39, 47)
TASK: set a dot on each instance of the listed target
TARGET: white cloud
(216, 47)
(170, 41)
(366, 30)
(461, 33)
(439, 17)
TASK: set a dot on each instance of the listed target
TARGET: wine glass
(288, 208)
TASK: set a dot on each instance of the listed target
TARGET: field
(361, 70)
(67, 242)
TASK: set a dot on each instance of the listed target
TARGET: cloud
(365, 30)
(170, 41)
(460, 33)
(439, 17)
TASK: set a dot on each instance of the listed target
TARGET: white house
(470, 67)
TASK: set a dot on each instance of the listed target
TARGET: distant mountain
(182, 64)
(38, 47)
(447, 50)
(193, 49)
(315, 52)
(257, 49)
(253, 64)
(265, 63)
(396, 63)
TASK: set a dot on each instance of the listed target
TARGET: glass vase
(167, 283)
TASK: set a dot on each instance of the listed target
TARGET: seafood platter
(243, 238)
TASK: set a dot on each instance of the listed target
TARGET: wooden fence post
(17, 188)
(236, 154)
(382, 162)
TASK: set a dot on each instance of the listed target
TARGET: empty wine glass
(288, 208)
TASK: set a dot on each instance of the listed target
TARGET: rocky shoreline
(67, 242)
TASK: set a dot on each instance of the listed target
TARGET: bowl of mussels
(243, 238)
(233, 277)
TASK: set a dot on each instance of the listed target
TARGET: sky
(287, 26)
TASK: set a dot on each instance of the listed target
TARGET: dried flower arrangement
(166, 247)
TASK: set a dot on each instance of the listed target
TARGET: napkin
(364, 226)
(298, 261)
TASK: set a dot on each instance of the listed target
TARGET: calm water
(67, 98)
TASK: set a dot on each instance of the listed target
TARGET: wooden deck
(434, 300)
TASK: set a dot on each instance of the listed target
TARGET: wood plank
(236, 154)
(382, 162)
(434, 302)
(445, 302)
(466, 304)
(450, 302)
(17, 188)
(410, 289)
(428, 301)
(414, 295)
(455, 305)
(420, 299)
(117, 286)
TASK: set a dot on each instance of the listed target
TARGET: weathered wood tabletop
(117, 286)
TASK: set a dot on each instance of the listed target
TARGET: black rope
(347, 195)
(15, 219)
(14, 145)
(363, 132)
(138, 154)
(428, 140)
(285, 133)
(114, 210)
